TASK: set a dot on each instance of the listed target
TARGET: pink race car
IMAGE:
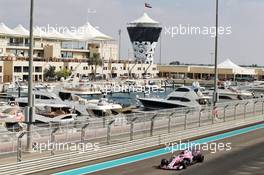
(183, 160)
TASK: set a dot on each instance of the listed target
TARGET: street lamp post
(216, 50)
(30, 80)
(119, 43)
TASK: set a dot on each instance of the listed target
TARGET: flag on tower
(147, 5)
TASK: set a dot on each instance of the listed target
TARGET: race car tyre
(164, 162)
(187, 161)
(184, 164)
(200, 158)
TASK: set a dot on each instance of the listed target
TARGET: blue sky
(243, 46)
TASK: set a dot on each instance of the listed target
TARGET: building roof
(228, 64)
(144, 19)
(37, 32)
(84, 33)
(55, 34)
(4, 30)
(88, 32)
(70, 35)
(21, 30)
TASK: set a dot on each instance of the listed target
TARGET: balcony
(18, 44)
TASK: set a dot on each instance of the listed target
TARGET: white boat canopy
(228, 64)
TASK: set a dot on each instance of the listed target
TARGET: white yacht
(17, 89)
(6, 105)
(12, 118)
(49, 98)
(230, 93)
(41, 97)
(97, 107)
(181, 97)
(78, 89)
(54, 113)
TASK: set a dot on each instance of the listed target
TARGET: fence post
(235, 110)
(83, 132)
(254, 107)
(214, 113)
(132, 128)
(152, 124)
(262, 109)
(245, 109)
(185, 119)
(52, 140)
(19, 146)
(109, 131)
(169, 122)
(104, 122)
(200, 115)
(226, 106)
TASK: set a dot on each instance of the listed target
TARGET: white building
(52, 44)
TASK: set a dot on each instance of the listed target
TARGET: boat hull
(153, 104)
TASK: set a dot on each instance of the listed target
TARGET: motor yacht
(96, 107)
(230, 93)
(181, 97)
(54, 113)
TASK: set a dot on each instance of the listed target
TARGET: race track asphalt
(245, 158)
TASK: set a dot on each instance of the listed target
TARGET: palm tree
(96, 61)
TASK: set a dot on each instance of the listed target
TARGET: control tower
(144, 33)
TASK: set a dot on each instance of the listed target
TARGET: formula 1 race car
(182, 161)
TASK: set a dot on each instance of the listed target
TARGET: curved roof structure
(84, 33)
(88, 32)
(54, 34)
(70, 35)
(4, 30)
(37, 32)
(144, 19)
(228, 64)
(21, 30)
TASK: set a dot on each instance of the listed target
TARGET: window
(179, 99)
(1, 69)
(44, 97)
(38, 69)
(25, 68)
(105, 68)
(139, 68)
(17, 69)
(182, 90)
(225, 97)
(154, 68)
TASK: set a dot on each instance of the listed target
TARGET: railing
(130, 127)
